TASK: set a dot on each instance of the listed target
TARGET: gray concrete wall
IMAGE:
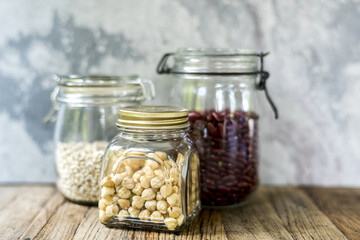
(314, 65)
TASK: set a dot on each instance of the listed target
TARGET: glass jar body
(82, 134)
(150, 181)
(224, 127)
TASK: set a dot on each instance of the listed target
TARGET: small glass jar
(219, 87)
(85, 123)
(150, 176)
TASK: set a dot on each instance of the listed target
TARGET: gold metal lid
(152, 117)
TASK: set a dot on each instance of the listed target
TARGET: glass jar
(150, 176)
(219, 87)
(86, 121)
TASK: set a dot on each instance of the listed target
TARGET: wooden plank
(208, 227)
(16, 216)
(43, 216)
(300, 215)
(256, 219)
(64, 222)
(8, 194)
(341, 206)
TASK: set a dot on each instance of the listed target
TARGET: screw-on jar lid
(152, 118)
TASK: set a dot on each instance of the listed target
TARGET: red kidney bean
(227, 146)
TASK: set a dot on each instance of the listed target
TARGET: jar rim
(212, 61)
(102, 89)
(213, 52)
(73, 80)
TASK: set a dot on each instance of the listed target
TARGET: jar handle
(162, 66)
(54, 108)
(148, 89)
(264, 75)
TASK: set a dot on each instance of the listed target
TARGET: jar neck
(153, 135)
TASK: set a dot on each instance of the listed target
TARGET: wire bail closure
(163, 68)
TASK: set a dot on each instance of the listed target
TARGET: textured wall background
(314, 65)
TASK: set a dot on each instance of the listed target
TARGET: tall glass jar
(85, 123)
(150, 176)
(219, 87)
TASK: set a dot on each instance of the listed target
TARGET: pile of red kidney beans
(227, 145)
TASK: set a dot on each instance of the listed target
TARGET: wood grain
(18, 211)
(63, 223)
(43, 216)
(341, 206)
(255, 220)
(300, 215)
(40, 212)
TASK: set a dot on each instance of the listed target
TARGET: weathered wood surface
(40, 212)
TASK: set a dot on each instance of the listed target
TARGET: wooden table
(40, 212)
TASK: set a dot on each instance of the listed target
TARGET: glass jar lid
(153, 117)
(217, 60)
(95, 89)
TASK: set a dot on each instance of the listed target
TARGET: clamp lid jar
(219, 87)
(86, 108)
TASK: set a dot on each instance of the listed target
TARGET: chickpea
(158, 172)
(107, 182)
(118, 166)
(137, 175)
(180, 159)
(107, 193)
(133, 212)
(144, 215)
(166, 190)
(123, 214)
(148, 194)
(124, 203)
(119, 177)
(174, 175)
(180, 219)
(173, 200)
(134, 163)
(174, 212)
(161, 155)
(112, 210)
(156, 216)
(102, 216)
(137, 189)
(137, 202)
(151, 205)
(175, 189)
(115, 198)
(169, 164)
(129, 170)
(145, 181)
(154, 164)
(170, 223)
(157, 182)
(128, 183)
(124, 193)
(159, 196)
(149, 172)
(162, 206)
(103, 203)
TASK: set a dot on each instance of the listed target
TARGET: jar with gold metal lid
(150, 174)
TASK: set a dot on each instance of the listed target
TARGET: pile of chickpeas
(143, 186)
